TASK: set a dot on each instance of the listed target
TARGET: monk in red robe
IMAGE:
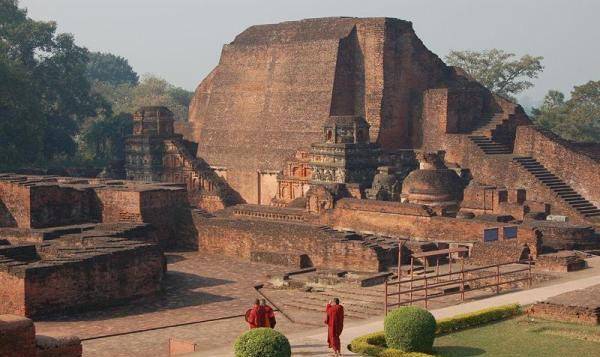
(257, 317)
(269, 314)
(335, 323)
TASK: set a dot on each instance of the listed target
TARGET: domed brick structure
(432, 184)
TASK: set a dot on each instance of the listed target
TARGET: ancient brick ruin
(76, 244)
(18, 338)
(352, 124)
(313, 143)
(155, 153)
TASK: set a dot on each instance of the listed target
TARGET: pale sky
(181, 40)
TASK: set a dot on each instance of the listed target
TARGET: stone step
(318, 308)
(554, 180)
(578, 201)
(588, 210)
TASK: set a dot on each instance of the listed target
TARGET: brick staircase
(558, 186)
(487, 126)
(489, 146)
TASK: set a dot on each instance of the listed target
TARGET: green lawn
(522, 337)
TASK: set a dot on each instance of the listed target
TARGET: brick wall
(17, 337)
(166, 210)
(12, 294)
(240, 237)
(16, 204)
(575, 167)
(105, 279)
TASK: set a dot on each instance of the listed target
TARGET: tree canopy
(44, 94)
(111, 69)
(575, 119)
(497, 70)
(151, 90)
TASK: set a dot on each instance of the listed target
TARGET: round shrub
(410, 329)
(262, 342)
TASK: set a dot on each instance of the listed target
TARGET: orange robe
(269, 317)
(335, 323)
(257, 317)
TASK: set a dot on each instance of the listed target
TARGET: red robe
(269, 316)
(257, 317)
(335, 322)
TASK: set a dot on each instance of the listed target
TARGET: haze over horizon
(181, 40)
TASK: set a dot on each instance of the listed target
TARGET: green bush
(410, 329)
(262, 342)
(374, 345)
(477, 318)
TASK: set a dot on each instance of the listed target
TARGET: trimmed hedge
(410, 329)
(262, 342)
(374, 344)
(477, 318)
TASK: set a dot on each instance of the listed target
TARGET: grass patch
(522, 337)
(519, 336)
(375, 345)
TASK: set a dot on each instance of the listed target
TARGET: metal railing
(458, 278)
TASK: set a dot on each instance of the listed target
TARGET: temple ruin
(335, 143)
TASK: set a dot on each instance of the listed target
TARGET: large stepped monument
(276, 85)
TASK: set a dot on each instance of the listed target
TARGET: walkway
(311, 343)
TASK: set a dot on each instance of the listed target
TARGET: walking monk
(256, 316)
(335, 323)
(269, 314)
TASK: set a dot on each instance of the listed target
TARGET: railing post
(498, 279)
(399, 272)
(530, 276)
(462, 279)
(426, 292)
(449, 264)
(385, 299)
(412, 266)
(437, 270)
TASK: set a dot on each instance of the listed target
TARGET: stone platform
(579, 306)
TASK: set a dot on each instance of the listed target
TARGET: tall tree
(497, 70)
(104, 137)
(110, 69)
(44, 94)
(576, 119)
(151, 90)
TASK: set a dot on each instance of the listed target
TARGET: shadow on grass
(458, 351)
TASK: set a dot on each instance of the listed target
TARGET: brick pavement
(197, 287)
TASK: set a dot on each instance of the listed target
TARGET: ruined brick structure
(579, 306)
(69, 244)
(18, 338)
(276, 85)
(155, 153)
(345, 154)
(281, 151)
(251, 112)
(365, 93)
(293, 182)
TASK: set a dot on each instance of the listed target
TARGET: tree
(151, 90)
(110, 69)
(44, 94)
(104, 137)
(576, 119)
(497, 70)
